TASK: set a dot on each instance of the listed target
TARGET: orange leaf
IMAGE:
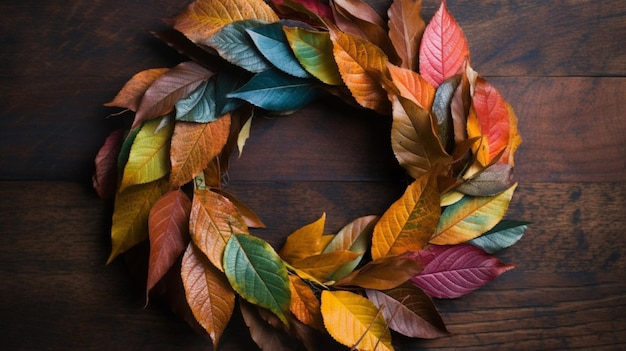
(514, 138)
(410, 221)
(444, 49)
(323, 265)
(412, 86)
(208, 293)
(168, 227)
(203, 18)
(361, 63)
(213, 220)
(490, 121)
(406, 27)
(304, 242)
(304, 304)
(132, 92)
(382, 274)
(194, 145)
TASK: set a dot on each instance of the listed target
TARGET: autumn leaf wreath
(452, 132)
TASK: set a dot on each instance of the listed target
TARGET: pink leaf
(105, 177)
(454, 271)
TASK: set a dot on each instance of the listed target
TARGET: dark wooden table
(561, 64)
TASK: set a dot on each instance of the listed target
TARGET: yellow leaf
(470, 217)
(304, 242)
(149, 155)
(194, 145)
(323, 265)
(361, 64)
(410, 221)
(130, 215)
(355, 321)
(243, 135)
(304, 304)
(412, 86)
(202, 18)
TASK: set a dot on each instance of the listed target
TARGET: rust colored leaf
(382, 274)
(304, 242)
(105, 176)
(194, 145)
(444, 49)
(304, 304)
(202, 18)
(175, 84)
(168, 228)
(360, 64)
(131, 93)
(208, 293)
(412, 86)
(213, 220)
(406, 27)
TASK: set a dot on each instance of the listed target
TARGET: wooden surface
(561, 64)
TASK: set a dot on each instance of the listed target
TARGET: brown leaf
(105, 177)
(264, 334)
(493, 180)
(168, 228)
(194, 145)
(382, 274)
(132, 92)
(175, 84)
(406, 27)
(208, 293)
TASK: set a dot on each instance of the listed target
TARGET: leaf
(409, 311)
(382, 274)
(354, 321)
(271, 41)
(304, 242)
(228, 80)
(194, 145)
(208, 293)
(414, 140)
(243, 135)
(168, 228)
(203, 18)
(493, 180)
(491, 121)
(412, 86)
(263, 333)
(258, 274)
(277, 91)
(409, 222)
(312, 10)
(457, 270)
(444, 49)
(514, 138)
(360, 65)
(442, 112)
(314, 51)
(199, 106)
(131, 93)
(124, 153)
(470, 217)
(149, 155)
(406, 27)
(503, 235)
(321, 266)
(173, 85)
(249, 217)
(104, 178)
(130, 215)
(213, 220)
(233, 43)
(304, 304)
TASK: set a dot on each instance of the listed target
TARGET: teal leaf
(277, 91)
(228, 80)
(199, 106)
(256, 272)
(233, 43)
(272, 43)
(503, 235)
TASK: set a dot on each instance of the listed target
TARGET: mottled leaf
(503, 235)
(493, 180)
(406, 27)
(382, 274)
(104, 178)
(131, 93)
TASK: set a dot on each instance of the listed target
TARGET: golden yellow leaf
(323, 265)
(202, 18)
(304, 242)
(410, 221)
(355, 321)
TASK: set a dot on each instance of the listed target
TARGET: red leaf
(168, 226)
(315, 6)
(105, 177)
(454, 271)
(444, 48)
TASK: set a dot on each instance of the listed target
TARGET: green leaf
(272, 43)
(503, 235)
(257, 273)
(122, 157)
(314, 51)
(277, 91)
(199, 106)
(234, 45)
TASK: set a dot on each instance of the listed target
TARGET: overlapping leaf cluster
(452, 131)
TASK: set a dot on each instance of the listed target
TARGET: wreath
(376, 278)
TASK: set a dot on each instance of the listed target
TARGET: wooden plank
(566, 292)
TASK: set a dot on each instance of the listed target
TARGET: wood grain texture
(561, 64)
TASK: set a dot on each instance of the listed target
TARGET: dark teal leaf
(277, 91)
(233, 44)
(272, 43)
(199, 106)
(228, 80)
(503, 235)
